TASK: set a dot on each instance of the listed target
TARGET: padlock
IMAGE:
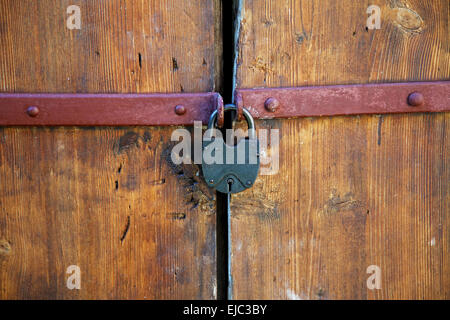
(237, 167)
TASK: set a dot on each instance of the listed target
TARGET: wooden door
(355, 191)
(107, 200)
(351, 193)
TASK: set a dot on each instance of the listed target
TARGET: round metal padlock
(236, 176)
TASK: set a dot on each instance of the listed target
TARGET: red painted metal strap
(185, 108)
(106, 109)
(266, 103)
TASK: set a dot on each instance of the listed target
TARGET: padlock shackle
(245, 112)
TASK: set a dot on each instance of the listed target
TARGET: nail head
(180, 110)
(271, 104)
(33, 111)
(415, 99)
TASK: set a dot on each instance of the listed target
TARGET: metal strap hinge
(28, 109)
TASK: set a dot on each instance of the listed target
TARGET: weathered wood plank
(105, 199)
(122, 46)
(351, 191)
(342, 202)
(110, 201)
(299, 43)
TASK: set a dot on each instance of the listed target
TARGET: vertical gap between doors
(231, 15)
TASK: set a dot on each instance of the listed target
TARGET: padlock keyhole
(230, 182)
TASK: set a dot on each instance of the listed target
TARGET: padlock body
(233, 169)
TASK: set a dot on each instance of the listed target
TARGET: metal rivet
(33, 111)
(211, 181)
(415, 99)
(180, 110)
(271, 104)
(249, 183)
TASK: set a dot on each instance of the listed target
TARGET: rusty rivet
(271, 104)
(180, 110)
(33, 111)
(415, 99)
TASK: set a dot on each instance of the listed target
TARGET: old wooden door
(105, 200)
(355, 191)
(351, 193)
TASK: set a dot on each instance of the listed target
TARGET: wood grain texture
(106, 199)
(110, 201)
(351, 191)
(122, 46)
(297, 43)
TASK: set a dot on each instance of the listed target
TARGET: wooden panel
(122, 46)
(319, 42)
(351, 191)
(108, 200)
